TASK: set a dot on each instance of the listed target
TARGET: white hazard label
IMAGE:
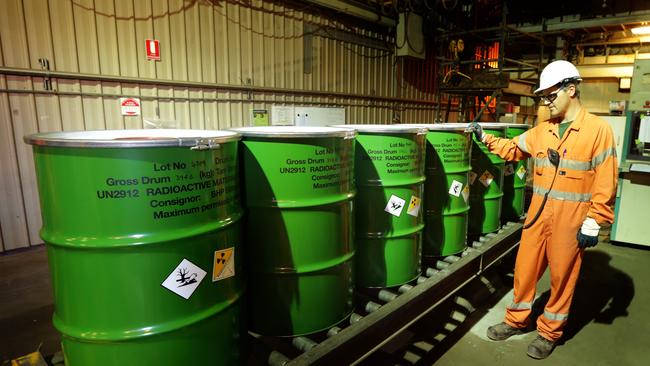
(521, 172)
(395, 205)
(414, 206)
(486, 178)
(465, 193)
(509, 170)
(456, 188)
(224, 264)
(184, 279)
(472, 177)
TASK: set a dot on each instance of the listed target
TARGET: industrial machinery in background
(633, 195)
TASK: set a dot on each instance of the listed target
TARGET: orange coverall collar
(577, 123)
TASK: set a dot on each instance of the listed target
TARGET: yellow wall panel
(221, 61)
(234, 62)
(65, 59)
(161, 26)
(109, 62)
(246, 56)
(12, 34)
(63, 40)
(13, 223)
(211, 115)
(48, 113)
(24, 123)
(197, 120)
(23, 119)
(86, 35)
(88, 57)
(182, 113)
(127, 42)
(143, 24)
(38, 32)
(298, 53)
(256, 43)
(39, 39)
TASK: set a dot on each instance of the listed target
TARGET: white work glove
(588, 233)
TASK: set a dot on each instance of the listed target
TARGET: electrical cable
(444, 4)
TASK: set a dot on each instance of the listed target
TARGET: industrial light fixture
(641, 30)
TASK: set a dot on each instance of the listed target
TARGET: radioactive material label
(472, 177)
(224, 264)
(414, 206)
(456, 188)
(486, 178)
(509, 170)
(521, 172)
(184, 279)
(465, 193)
(395, 205)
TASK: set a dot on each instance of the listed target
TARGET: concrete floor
(26, 304)
(608, 325)
(609, 322)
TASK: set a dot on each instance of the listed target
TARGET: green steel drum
(389, 176)
(446, 192)
(514, 180)
(486, 182)
(299, 191)
(142, 229)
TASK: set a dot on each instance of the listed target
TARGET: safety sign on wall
(414, 206)
(395, 205)
(153, 49)
(130, 106)
(224, 264)
(184, 279)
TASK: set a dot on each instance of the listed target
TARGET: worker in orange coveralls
(574, 183)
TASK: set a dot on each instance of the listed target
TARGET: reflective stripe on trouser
(542, 245)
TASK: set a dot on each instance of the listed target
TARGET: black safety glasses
(550, 97)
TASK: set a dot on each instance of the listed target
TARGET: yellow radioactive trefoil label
(224, 264)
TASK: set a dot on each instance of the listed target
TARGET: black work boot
(502, 331)
(540, 347)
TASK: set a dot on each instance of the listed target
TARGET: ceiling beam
(569, 22)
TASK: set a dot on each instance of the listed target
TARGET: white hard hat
(556, 72)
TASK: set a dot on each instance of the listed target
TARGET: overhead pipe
(201, 85)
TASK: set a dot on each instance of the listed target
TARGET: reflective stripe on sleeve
(600, 158)
(555, 316)
(563, 196)
(521, 143)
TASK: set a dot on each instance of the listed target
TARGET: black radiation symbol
(221, 260)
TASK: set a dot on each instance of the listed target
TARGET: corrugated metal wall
(216, 55)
